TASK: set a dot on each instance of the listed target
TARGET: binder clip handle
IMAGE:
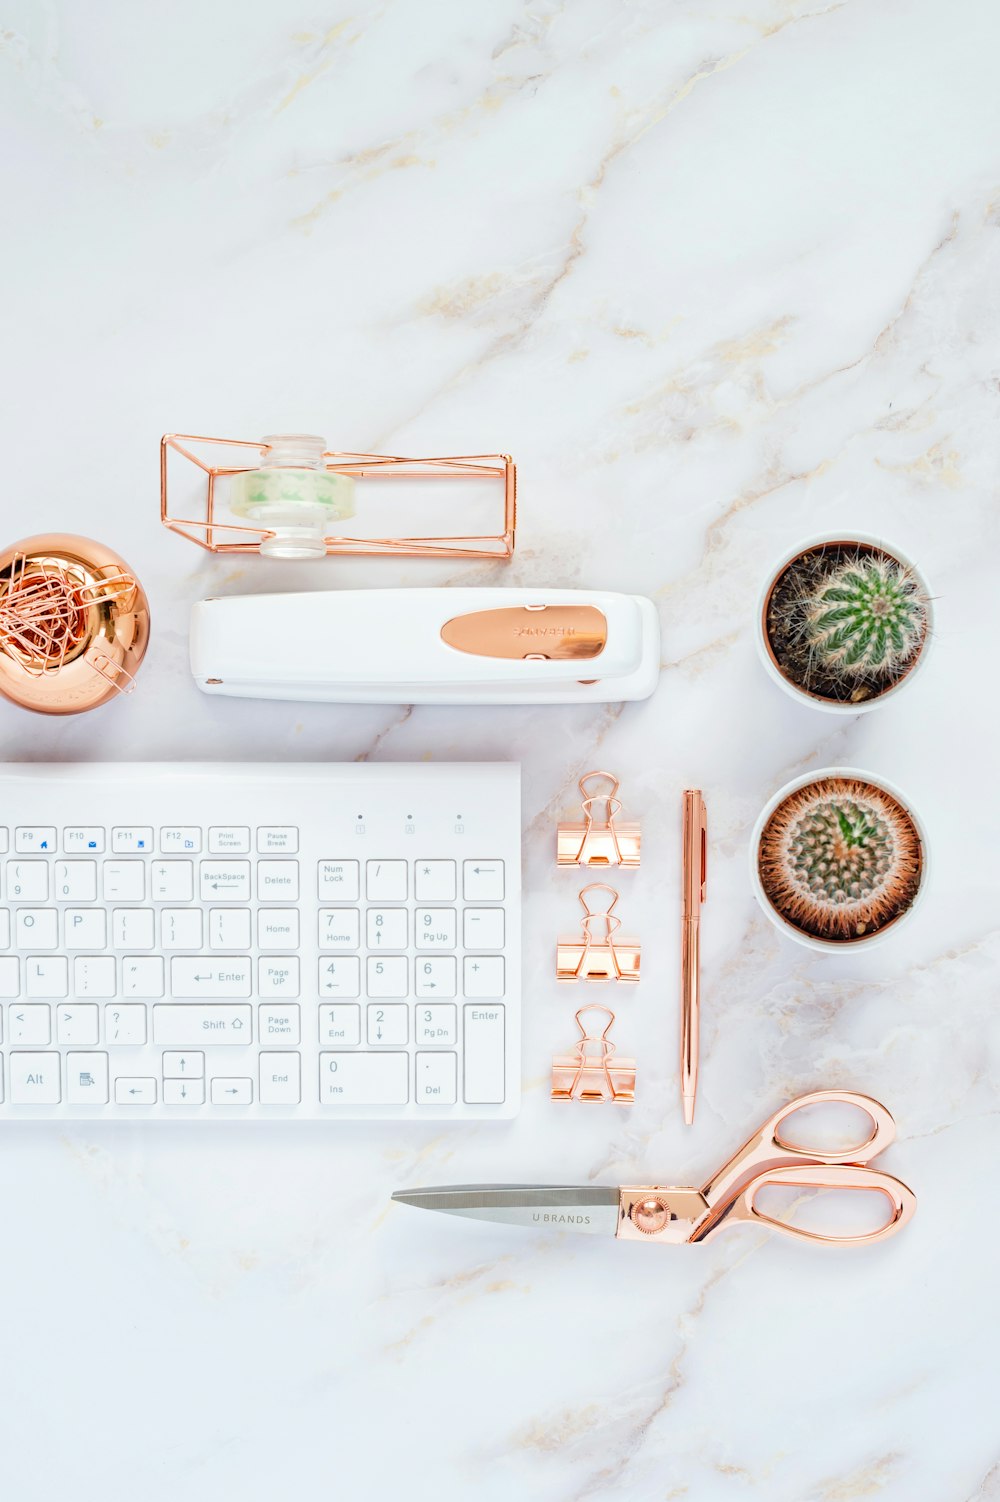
(598, 841)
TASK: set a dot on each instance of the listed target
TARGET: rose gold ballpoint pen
(695, 860)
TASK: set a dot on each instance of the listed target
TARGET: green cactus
(840, 858)
(869, 619)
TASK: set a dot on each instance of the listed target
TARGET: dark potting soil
(787, 626)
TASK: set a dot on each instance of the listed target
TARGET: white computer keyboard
(207, 941)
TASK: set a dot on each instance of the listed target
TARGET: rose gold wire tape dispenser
(429, 646)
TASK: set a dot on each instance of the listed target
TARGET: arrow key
(134, 1092)
(184, 1064)
(231, 1092)
(388, 1023)
(183, 1092)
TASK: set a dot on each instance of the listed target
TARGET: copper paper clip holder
(221, 458)
(592, 1072)
(598, 955)
(599, 842)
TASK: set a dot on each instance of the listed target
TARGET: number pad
(388, 1024)
(437, 1024)
(436, 927)
(387, 928)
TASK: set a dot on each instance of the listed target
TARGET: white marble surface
(718, 276)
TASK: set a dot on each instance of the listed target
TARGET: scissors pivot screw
(650, 1215)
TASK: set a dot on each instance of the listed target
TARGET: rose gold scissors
(651, 1212)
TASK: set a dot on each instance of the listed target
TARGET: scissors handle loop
(743, 1207)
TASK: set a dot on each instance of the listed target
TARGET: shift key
(185, 1026)
(209, 978)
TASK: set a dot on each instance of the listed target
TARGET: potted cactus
(838, 858)
(844, 622)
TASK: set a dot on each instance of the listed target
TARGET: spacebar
(195, 1024)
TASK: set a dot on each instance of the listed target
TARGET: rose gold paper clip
(599, 844)
(591, 1072)
(598, 957)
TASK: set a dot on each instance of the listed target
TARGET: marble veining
(720, 277)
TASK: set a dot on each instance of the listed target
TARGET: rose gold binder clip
(592, 1072)
(594, 843)
(598, 956)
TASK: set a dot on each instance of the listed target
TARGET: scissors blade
(592, 1209)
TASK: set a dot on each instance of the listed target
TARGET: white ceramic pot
(831, 706)
(838, 946)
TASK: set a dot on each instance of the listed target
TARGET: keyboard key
(364, 1079)
(435, 928)
(28, 1024)
(483, 928)
(95, 976)
(225, 881)
(4, 928)
(483, 1028)
(184, 1065)
(180, 1026)
(36, 928)
(85, 928)
(483, 975)
(210, 977)
(340, 1024)
(133, 928)
(10, 978)
(338, 881)
(229, 928)
(177, 840)
(183, 1092)
(385, 881)
(388, 1024)
(29, 841)
(172, 881)
(77, 1022)
(483, 881)
(280, 1079)
(34, 1079)
(27, 881)
(437, 1024)
(132, 1091)
(278, 928)
(142, 975)
(4, 847)
(75, 881)
(124, 881)
(229, 839)
(280, 839)
(46, 975)
(436, 1079)
(82, 838)
(387, 977)
(434, 881)
(87, 1078)
(278, 1024)
(387, 927)
(340, 977)
(181, 927)
(437, 978)
(232, 1092)
(124, 1024)
(339, 928)
(278, 977)
(277, 881)
(131, 841)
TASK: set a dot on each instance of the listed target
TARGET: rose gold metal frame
(592, 1073)
(225, 537)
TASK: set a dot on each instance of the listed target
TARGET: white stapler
(429, 646)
